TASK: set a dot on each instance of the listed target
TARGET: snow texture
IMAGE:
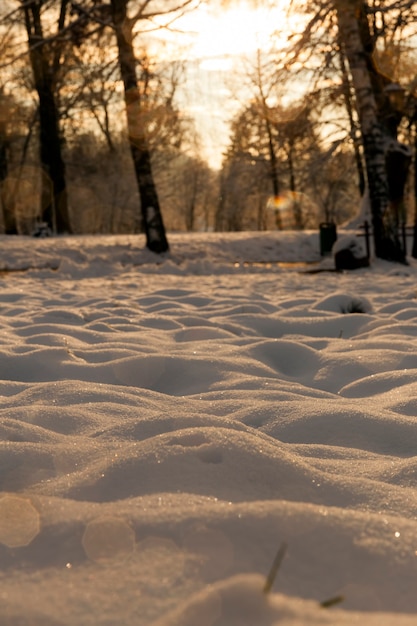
(168, 422)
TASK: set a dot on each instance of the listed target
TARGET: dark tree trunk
(9, 217)
(191, 204)
(298, 217)
(151, 214)
(54, 200)
(273, 165)
(273, 161)
(414, 250)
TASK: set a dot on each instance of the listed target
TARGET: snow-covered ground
(169, 423)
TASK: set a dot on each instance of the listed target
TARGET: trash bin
(328, 236)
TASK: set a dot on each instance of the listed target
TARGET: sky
(218, 43)
(168, 424)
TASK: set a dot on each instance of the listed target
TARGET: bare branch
(142, 15)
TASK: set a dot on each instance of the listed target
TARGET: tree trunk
(151, 214)
(54, 201)
(9, 216)
(414, 250)
(347, 95)
(374, 136)
(192, 201)
(296, 207)
(273, 161)
(273, 171)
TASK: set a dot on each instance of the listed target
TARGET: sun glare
(234, 33)
(215, 36)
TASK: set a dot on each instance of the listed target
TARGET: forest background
(96, 135)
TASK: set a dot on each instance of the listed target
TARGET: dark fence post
(328, 235)
(367, 243)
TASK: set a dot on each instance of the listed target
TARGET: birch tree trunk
(151, 214)
(374, 137)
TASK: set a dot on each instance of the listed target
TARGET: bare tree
(123, 16)
(361, 29)
(386, 159)
(348, 97)
(88, 86)
(152, 219)
(261, 87)
(296, 138)
(44, 56)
